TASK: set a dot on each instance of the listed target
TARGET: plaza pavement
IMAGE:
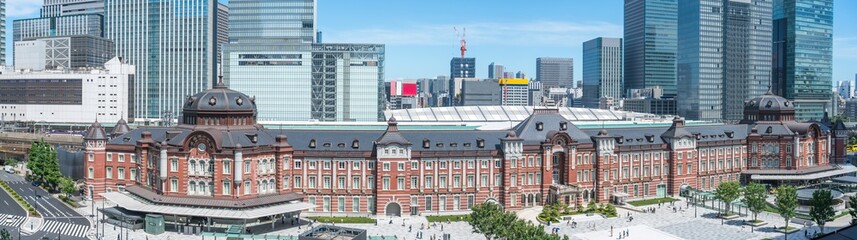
(662, 225)
(683, 225)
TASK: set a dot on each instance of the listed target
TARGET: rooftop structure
(329, 232)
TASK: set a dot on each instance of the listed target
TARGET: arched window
(202, 187)
(192, 187)
(91, 173)
(192, 166)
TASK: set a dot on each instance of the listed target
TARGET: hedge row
(24, 204)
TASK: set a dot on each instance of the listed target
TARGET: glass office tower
(651, 44)
(273, 55)
(803, 54)
(723, 54)
(555, 72)
(700, 59)
(171, 42)
(2, 33)
(747, 54)
(602, 70)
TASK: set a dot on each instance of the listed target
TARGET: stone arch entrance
(393, 209)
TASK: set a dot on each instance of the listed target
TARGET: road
(10, 210)
(58, 218)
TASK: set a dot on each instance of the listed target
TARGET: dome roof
(220, 99)
(95, 131)
(121, 128)
(769, 102)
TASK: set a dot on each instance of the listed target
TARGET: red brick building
(219, 152)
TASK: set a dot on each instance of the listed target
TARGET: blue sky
(420, 39)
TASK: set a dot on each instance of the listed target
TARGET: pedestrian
(611, 230)
(410, 228)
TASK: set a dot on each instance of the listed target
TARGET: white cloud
(22, 8)
(496, 33)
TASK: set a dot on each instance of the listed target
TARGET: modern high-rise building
(746, 52)
(56, 8)
(700, 59)
(555, 72)
(2, 33)
(844, 89)
(66, 52)
(722, 53)
(651, 44)
(222, 29)
(803, 54)
(602, 70)
(462, 68)
(495, 71)
(172, 42)
(514, 91)
(63, 18)
(272, 54)
(67, 25)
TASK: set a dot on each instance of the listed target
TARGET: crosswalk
(64, 228)
(11, 220)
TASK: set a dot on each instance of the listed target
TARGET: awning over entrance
(846, 179)
(620, 194)
(841, 169)
(126, 201)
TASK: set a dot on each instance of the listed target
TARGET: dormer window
(327, 145)
(563, 126)
(730, 134)
(769, 130)
(355, 144)
(540, 126)
(768, 105)
(650, 138)
(440, 145)
(480, 143)
(426, 143)
(453, 145)
(312, 143)
(340, 145)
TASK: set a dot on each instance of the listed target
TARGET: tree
(490, 220)
(728, 192)
(852, 201)
(43, 163)
(786, 203)
(10, 162)
(754, 198)
(4, 235)
(821, 210)
(67, 186)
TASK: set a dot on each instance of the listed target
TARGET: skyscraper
(700, 59)
(222, 29)
(651, 31)
(602, 70)
(56, 8)
(803, 54)
(722, 56)
(3, 33)
(495, 71)
(462, 68)
(272, 54)
(747, 54)
(172, 42)
(555, 72)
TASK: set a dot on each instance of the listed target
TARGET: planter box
(757, 224)
(730, 217)
(794, 229)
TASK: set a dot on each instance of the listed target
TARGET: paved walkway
(683, 225)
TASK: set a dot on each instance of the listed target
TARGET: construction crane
(461, 35)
